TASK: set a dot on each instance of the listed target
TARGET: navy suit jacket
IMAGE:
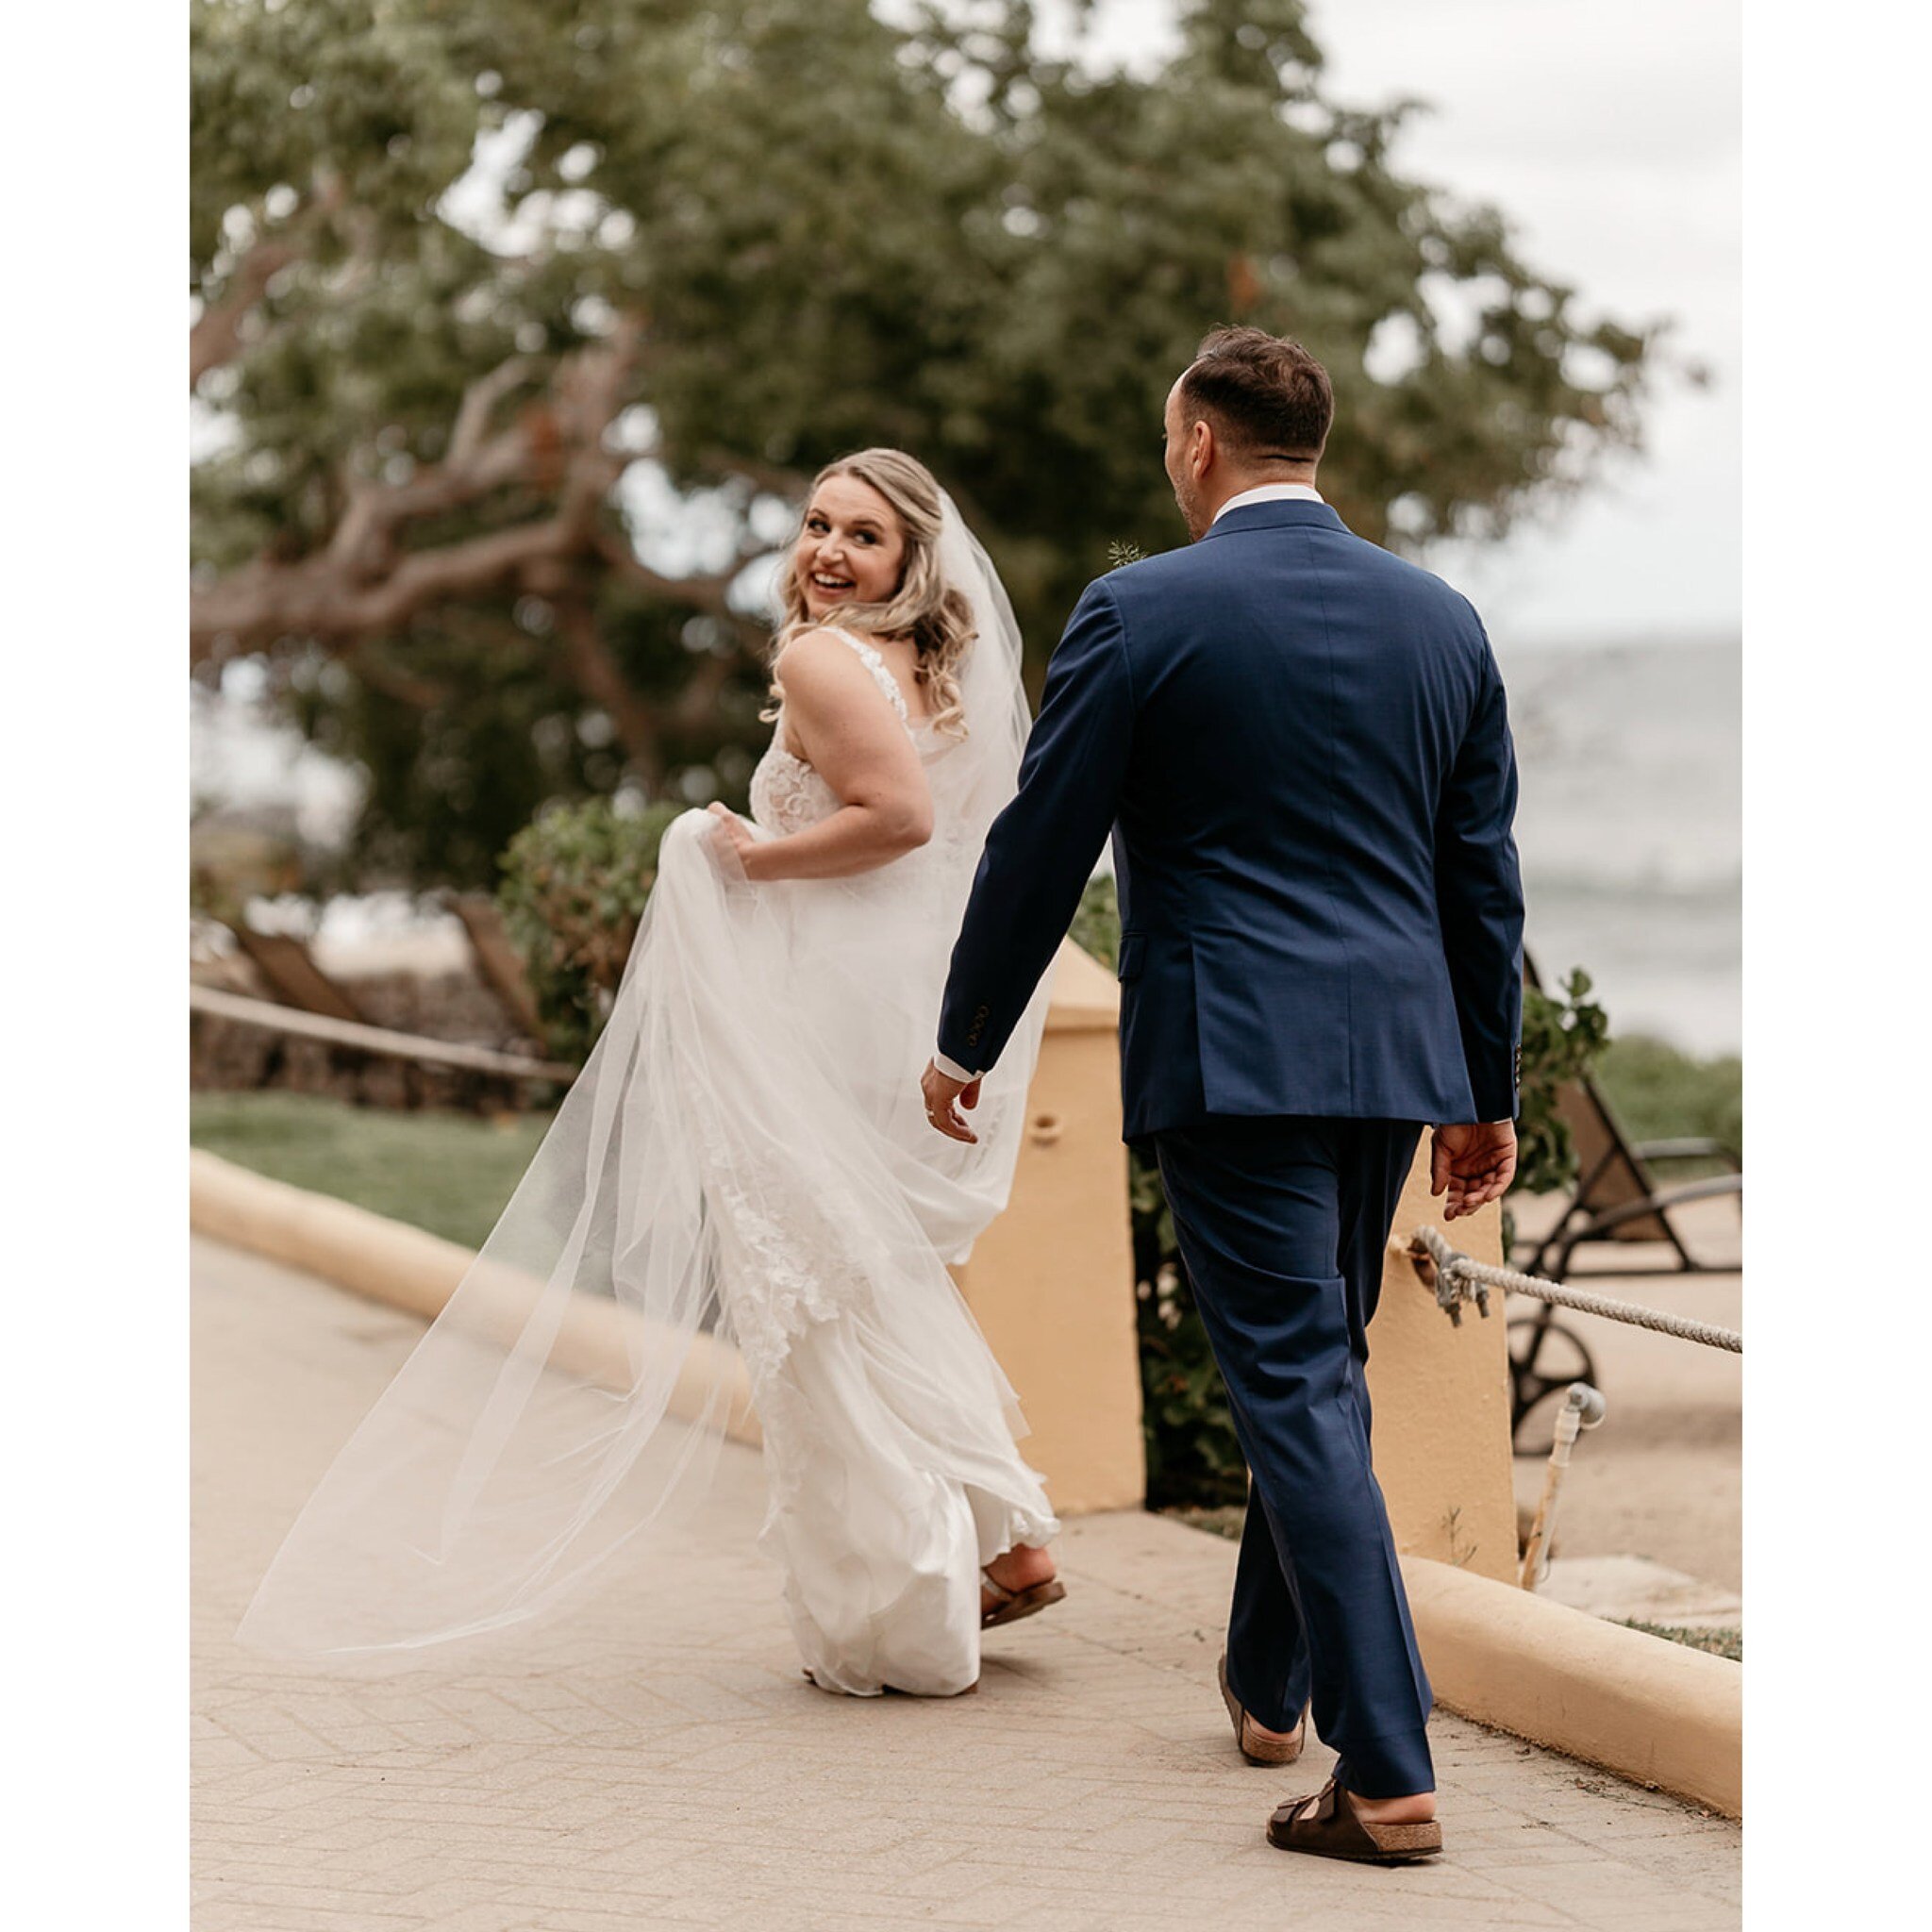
(1301, 746)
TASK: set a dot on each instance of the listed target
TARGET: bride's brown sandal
(1328, 1825)
(1009, 1605)
(1247, 1734)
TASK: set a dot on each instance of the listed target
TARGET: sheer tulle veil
(742, 1162)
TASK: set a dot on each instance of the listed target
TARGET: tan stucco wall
(1051, 1281)
(1440, 1395)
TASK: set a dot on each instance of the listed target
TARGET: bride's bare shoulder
(819, 666)
(809, 649)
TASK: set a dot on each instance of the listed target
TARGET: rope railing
(1458, 1278)
(272, 1018)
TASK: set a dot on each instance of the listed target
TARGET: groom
(1300, 744)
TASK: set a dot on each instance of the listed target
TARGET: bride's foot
(1022, 1576)
(1021, 1568)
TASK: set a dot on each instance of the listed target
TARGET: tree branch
(365, 582)
(770, 479)
(479, 400)
(421, 693)
(694, 704)
(702, 592)
(264, 601)
(596, 675)
(216, 335)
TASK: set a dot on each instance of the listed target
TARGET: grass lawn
(448, 1172)
(1661, 1094)
(1719, 1643)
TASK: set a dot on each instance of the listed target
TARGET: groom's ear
(1201, 444)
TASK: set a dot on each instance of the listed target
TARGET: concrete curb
(384, 1261)
(1637, 1704)
(381, 1260)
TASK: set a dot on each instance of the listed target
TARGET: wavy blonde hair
(932, 612)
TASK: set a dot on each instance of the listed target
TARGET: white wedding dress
(892, 1470)
(745, 1158)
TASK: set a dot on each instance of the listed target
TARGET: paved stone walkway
(658, 1761)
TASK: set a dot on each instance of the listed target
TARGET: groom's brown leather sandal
(1009, 1605)
(1328, 1825)
(1247, 1736)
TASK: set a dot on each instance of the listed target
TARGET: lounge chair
(1618, 1199)
(497, 960)
(1618, 1205)
(293, 977)
(296, 980)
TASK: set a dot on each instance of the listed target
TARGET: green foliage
(1564, 1034)
(1718, 1641)
(451, 1174)
(1096, 927)
(1661, 1094)
(1193, 1456)
(814, 229)
(575, 883)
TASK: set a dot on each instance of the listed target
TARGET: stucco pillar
(1052, 1280)
(1441, 1401)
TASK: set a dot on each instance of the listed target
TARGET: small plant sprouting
(1452, 1524)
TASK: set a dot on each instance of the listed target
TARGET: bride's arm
(856, 745)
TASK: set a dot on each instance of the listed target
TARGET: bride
(745, 1160)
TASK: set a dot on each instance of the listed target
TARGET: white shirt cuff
(952, 1069)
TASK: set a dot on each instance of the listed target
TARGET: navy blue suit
(1301, 746)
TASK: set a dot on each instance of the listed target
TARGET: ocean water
(1630, 829)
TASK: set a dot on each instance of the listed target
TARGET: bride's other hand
(944, 1098)
(731, 842)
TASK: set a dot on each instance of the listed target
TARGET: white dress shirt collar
(1270, 492)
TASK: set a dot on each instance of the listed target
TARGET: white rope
(1457, 1277)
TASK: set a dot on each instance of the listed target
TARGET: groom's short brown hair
(1265, 396)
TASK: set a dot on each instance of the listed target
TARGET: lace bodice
(787, 794)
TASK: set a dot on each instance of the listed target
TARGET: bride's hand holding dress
(834, 725)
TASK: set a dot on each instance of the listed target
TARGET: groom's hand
(1475, 1163)
(944, 1098)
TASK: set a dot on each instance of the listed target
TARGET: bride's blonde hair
(932, 612)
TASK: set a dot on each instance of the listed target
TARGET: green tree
(729, 240)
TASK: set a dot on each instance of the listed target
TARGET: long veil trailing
(739, 1203)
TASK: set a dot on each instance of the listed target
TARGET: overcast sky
(1611, 137)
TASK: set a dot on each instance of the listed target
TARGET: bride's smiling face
(852, 549)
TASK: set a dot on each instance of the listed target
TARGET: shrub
(1563, 1036)
(575, 883)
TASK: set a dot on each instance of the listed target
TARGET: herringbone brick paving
(657, 1759)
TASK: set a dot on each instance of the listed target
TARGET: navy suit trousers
(1282, 1223)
